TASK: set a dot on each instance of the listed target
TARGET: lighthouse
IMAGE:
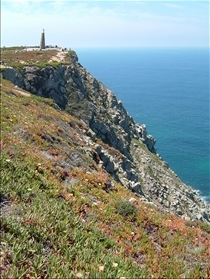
(42, 41)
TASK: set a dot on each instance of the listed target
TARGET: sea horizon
(135, 47)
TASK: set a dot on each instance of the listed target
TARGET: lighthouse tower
(42, 41)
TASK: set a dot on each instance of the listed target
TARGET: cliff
(125, 150)
(83, 193)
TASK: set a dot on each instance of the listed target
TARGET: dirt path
(60, 56)
(22, 92)
(19, 91)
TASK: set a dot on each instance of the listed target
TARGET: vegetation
(62, 216)
(19, 57)
(204, 226)
(125, 208)
(11, 48)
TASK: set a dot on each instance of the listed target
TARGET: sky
(105, 24)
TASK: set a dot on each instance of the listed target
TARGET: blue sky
(76, 24)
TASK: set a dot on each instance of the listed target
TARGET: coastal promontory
(68, 141)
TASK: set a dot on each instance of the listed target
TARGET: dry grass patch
(19, 57)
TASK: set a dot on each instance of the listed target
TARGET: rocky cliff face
(128, 152)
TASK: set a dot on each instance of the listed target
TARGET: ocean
(168, 90)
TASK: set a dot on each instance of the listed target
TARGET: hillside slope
(64, 216)
(75, 205)
(134, 162)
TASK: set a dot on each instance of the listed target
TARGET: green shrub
(125, 208)
(205, 227)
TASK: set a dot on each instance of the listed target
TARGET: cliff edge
(111, 138)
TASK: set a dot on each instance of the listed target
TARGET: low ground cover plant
(69, 219)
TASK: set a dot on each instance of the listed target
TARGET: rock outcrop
(128, 153)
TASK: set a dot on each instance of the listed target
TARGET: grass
(62, 216)
(204, 226)
(43, 235)
(18, 57)
(125, 208)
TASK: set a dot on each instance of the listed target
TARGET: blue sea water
(168, 90)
